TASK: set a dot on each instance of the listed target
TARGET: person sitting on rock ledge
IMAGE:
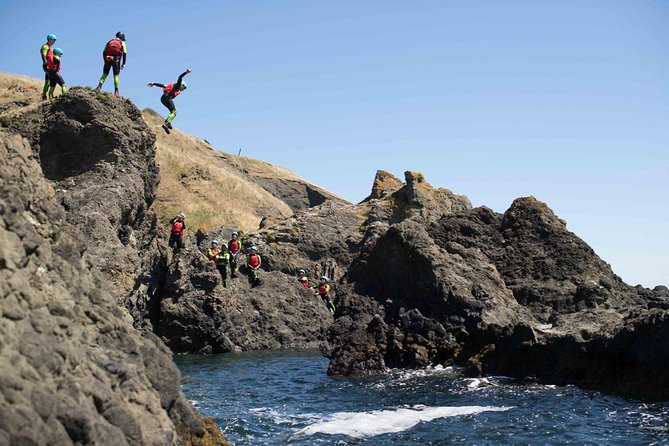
(176, 241)
(303, 279)
(324, 292)
(234, 247)
(222, 259)
(253, 264)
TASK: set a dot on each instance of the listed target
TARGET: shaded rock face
(436, 282)
(73, 370)
(101, 157)
(295, 194)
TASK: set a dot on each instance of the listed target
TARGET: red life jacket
(49, 53)
(324, 288)
(170, 89)
(254, 260)
(51, 64)
(114, 48)
(177, 227)
(233, 246)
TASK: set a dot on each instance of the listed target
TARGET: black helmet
(120, 35)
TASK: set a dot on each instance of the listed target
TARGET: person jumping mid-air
(114, 55)
(53, 70)
(47, 53)
(171, 91)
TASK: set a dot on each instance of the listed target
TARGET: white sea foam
(369, 424)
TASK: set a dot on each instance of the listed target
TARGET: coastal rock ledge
(74, 223)
(436, 281)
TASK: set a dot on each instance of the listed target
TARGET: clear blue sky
(565, 100)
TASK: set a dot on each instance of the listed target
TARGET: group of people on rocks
(225, 257)
(114, 56)
(322, 289)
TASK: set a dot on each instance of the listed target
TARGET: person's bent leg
(171, 116)
(60, 81)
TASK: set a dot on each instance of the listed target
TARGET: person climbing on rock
(47, 53)
(176, 241)
(213, 250)
(222, 259)
(114, 56)
(253, 264)
(234, 247)
(303, 279)
(53, 70)
(324, 292)
(171, 91)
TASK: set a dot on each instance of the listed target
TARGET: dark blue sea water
(279, 397)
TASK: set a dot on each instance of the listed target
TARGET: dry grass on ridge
(198, 180)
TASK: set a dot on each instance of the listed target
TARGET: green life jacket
(222, 258)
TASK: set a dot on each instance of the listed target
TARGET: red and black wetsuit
(176, 235)
(114, 61)
(53, 70)
(233, 248)
(170, 91)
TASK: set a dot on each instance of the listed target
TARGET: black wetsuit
(167, 99)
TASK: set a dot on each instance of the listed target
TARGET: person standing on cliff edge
(114, 56)
(171, 91)
(47, 53)
(53, 70)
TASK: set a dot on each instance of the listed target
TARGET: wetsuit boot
(116, 93)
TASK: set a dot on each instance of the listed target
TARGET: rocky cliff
(78, 239)
(438, 282)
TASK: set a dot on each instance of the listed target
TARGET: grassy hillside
(197, 179)
(213, 188)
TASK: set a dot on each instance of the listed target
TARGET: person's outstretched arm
(177, 86)
(155, 84)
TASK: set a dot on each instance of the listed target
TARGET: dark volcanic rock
(197, 314)
(101, 157)
(73, 370)
(437, 282)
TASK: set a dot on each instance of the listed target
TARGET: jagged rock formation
(73, 370)
(100, 156)
(197, 314)
(437, 282)
(423, 278)
(74, 214)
